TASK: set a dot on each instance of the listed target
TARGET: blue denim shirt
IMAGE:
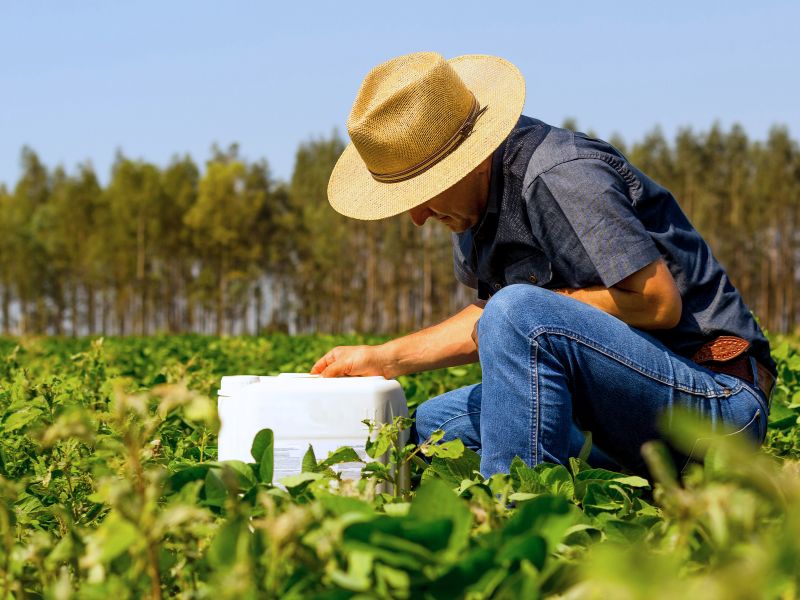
(567, 210)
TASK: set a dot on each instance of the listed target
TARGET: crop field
(110, 488)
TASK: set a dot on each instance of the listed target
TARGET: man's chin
(453, 225)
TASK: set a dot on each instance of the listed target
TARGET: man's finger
(334, 369)
(322, 363)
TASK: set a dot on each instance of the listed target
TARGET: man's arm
(446, 344)
(647, 299)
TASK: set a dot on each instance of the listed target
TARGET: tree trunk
(90, 309)
(791, 275)
(6, 309)
(371, 308)
(73, 296)
(258, 302)
(221, 283)
(140, 274)
(427, 279)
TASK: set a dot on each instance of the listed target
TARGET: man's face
(460, 206)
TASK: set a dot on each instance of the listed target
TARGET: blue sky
(80, 79)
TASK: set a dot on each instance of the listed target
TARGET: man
(599, 305)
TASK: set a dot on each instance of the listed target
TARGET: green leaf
(547, 516)
(452, 449)
(114, 537)
(223, 550)
(382, 442)
(576, 465)
(543, 478)
(357, 577)
(624, 532)
(525, 547)
(339, 456)
(455, 470)
(586, 448)
(587, 476)
(20, 418)
(309, 464)
(301, 479)
(263, 452)
(435, 500)
(216, 492)
(245, 478)
(397, 509)
(556, 480)
(597, 498)
(342, 505)
(180, 478)
(261, 442)
(472, 572)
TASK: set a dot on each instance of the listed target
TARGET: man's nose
(420, 214)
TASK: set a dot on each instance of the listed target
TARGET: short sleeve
(587, 199)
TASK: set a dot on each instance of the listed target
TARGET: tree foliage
(231, 250)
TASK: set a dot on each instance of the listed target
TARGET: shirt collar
(495, 190)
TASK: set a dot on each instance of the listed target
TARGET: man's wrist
(389, 361)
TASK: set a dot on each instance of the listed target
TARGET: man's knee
(506, 309)
(425, 421)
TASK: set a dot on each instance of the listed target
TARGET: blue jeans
(553, 366)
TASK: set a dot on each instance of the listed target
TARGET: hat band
(454, 142)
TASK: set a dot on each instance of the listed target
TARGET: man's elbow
(667, 311)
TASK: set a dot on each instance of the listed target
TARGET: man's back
(570, 211)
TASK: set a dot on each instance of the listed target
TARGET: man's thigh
(615, 380)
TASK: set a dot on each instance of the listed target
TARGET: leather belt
(726, 354)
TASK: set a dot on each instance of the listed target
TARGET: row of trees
(228, 250)
(231, 250)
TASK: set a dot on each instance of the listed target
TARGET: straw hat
(419, 124)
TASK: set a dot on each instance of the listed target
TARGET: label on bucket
(289, 456)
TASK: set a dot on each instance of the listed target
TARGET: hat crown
(406, 110)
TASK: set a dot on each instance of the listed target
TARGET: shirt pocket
(534, 269)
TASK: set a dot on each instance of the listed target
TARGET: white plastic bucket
(303, 409)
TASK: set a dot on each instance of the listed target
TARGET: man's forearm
(631, 307)
(446, 344)
(646, 299)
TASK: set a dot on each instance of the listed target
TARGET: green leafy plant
(109, 486)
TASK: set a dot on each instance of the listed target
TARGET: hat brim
(498, 85)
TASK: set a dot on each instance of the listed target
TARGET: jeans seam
(743, 428)
(474, 412)
(623, 360)
(534, 417)
(755, 388)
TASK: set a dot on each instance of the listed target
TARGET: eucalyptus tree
(134, 197)
(225, 223)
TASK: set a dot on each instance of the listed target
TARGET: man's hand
(446, 344)
(352, 361)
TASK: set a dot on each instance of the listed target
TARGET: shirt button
(497, 286)
(533, 278)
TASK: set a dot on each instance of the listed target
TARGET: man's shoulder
(536, 147)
